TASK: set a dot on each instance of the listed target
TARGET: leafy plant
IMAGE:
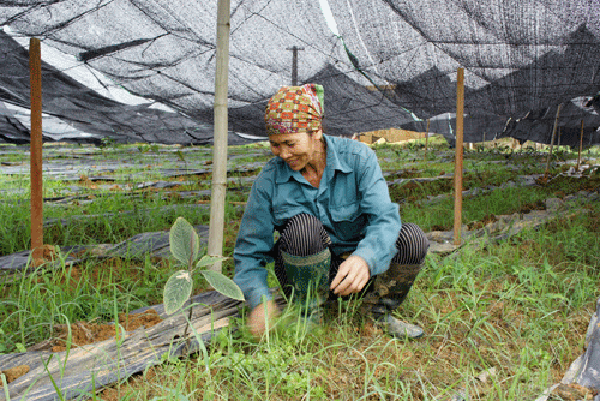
(185, 247)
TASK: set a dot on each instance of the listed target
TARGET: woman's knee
(411, 245)
(304, 235)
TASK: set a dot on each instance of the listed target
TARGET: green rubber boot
(389, 291)
(309, 277)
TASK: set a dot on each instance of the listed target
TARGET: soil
(84, 333)
(14, 373)
(572, 392)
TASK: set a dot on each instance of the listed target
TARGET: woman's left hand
(351, 276)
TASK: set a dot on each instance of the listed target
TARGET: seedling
(185, 247)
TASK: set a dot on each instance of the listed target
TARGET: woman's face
(296, 149)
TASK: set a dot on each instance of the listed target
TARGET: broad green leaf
(223, 284)
(184, 242)
(177, 290)
(209, 260)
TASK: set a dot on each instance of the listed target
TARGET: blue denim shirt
(352, 202)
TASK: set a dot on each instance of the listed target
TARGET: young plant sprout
(185, 247)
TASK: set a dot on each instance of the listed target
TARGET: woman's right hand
(257, 323)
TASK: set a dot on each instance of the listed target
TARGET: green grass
(129, 211)
(149, 216)
(514, 309)
(502, 201)
(517, 310)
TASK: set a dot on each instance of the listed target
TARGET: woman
(339, 230)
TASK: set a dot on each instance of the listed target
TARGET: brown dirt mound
(83, 333)
(14, 373)
(572, 392)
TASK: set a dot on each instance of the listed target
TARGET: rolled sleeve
(378, 246)
(254, 244)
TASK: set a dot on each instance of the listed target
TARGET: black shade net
(391, 64)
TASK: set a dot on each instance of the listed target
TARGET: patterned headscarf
(295, 109)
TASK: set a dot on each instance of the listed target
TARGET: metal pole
(458, 165)
(295, 64)
(580, 146)
(37, 196)
(552, 140)
(426, 137)
(219, 173)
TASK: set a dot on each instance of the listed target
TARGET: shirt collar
(285, 173)
(333, 161)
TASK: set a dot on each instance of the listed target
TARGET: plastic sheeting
(393, 63)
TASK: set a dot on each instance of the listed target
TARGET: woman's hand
(256, 321)
(352, 276)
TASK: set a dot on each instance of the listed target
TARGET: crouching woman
(337, 227)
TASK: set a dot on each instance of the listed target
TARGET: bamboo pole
(219, 173)
(458, 166)
(426, 138)
(37, 199)
(580, 146)
(552, 140)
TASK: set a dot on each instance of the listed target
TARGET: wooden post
(295, 64)
(426, 138)
(580, 146)
(458, 166)
(219, 173)
(37, 193)
(552, 140)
